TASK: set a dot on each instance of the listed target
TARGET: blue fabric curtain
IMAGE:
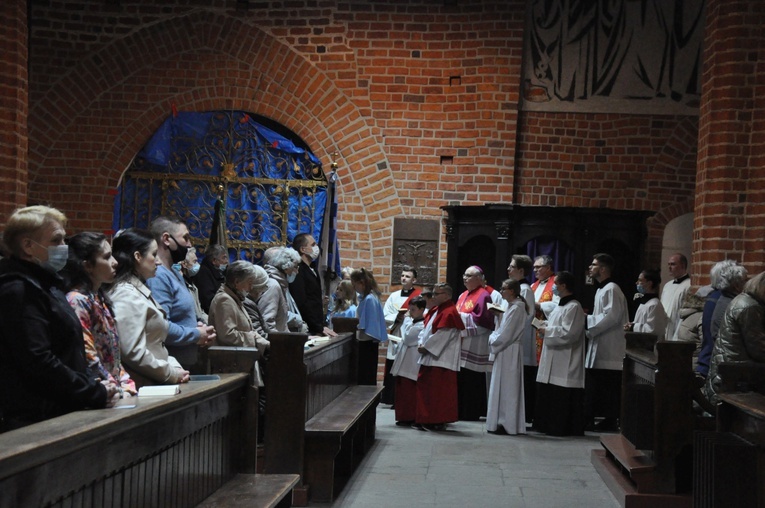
(272, 189)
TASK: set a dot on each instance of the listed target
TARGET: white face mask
(314, 253)
(291, 277)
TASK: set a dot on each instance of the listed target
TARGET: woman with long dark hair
(90, 266)
(140, 320)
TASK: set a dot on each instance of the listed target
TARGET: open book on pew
(159, 391)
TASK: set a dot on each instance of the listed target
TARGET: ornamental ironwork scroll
(271, 189)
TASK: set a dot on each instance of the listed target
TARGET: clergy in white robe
(394, 310)
(674, 291)
(506, 408)
(560, 379)
(405, 368)
(606, 347)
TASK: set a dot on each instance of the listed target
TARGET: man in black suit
(306, 288)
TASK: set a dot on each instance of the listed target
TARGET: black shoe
(499, 432)
(417, 426)
(407, 423)
(436, 427)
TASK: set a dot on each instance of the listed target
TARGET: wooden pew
(320, 418)
(165, 451)
(648, 464)
(729, 464)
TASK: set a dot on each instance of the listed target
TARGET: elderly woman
(277, 307)
(43, 372)
(233, 326)
(727, 279)
(91, 266)
(141, 322)
(742, 333)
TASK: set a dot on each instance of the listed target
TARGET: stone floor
(464, 466)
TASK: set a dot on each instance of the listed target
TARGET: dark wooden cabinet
(488, 235)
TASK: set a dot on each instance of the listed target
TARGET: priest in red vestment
(475, 367)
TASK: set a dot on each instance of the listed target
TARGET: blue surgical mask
(222, 268)
(193, 270)
(555, 290)
(57, 256)
(177, 267)
(291, 277)
(640, 289)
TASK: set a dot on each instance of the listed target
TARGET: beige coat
(142, 329)
(233, 326)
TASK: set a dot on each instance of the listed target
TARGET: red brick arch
(96, 118)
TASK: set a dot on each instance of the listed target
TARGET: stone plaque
(415, 243)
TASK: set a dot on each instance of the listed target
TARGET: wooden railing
(170, 451)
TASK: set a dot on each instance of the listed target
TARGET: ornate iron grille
(271, 189)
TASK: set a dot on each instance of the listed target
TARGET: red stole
(405, 305)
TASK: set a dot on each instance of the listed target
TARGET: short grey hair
(285, 259)
(727, 274)
(239, 271)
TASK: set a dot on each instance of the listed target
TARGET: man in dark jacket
(306, 288)
(211, 274)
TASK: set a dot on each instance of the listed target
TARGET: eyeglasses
(437, 294)
(512, 267)
(537, 267)
(469, 275)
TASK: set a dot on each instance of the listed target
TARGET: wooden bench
(729, 464)
(320, 419)
(648, 464)
(156, 451)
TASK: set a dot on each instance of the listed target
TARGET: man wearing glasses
(439, 348)
(544, 298)
(473, 379)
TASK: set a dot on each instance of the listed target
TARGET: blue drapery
(272, 189)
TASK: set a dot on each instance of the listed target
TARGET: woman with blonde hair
(43, 372)
(344, 304)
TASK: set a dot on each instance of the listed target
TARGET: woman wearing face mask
(276, 305)
(233, 326)
(43, 372)
(141, 321)
(90, 266)
(650, 316)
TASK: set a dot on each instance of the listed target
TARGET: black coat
(306, 291)
(208, 280)
(43, 371)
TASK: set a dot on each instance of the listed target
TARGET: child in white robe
(506, 410)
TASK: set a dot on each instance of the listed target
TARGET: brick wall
(730, 192)
(419, 99)
(13, 107)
